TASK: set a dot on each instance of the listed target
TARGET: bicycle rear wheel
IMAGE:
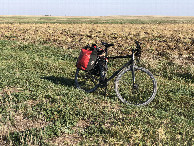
(143, 91)
(86, 80)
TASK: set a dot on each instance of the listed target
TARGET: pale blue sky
(97, 7)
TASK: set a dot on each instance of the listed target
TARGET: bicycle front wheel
(140, 93)
(86, 80)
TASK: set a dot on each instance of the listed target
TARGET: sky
(97, 7)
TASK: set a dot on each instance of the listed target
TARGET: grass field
(40, 105)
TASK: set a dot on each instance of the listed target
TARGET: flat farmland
(40, 105)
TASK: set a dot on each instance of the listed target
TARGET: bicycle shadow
(60, 80)
(186, 76)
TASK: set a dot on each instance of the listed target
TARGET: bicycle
(133, 85)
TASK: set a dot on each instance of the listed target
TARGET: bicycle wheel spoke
(93, 79)
(143, 90)
(86, 81)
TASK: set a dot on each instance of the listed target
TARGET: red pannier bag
(87, 59)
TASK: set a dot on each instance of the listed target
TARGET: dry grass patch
(20, 123)
(10, 90)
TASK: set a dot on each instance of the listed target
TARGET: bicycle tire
(86, 81)
(145, 86)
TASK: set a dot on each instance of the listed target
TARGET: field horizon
(165, 16)
(115, 19)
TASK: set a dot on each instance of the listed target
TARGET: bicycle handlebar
(107, 45)
(137, 51)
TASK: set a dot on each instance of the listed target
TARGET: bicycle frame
(135, 52)
(130, 62)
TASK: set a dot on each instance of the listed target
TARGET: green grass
(97, 20)
(37, 86)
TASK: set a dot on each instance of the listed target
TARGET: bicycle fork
(134, 85)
